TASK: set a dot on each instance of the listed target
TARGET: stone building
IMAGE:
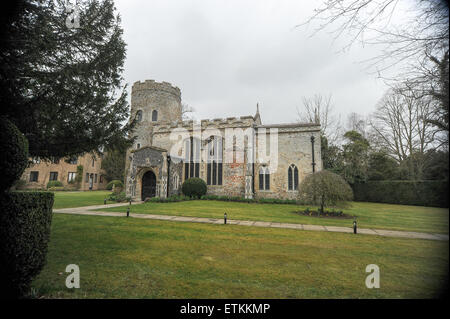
(235, 156)
(40, 172)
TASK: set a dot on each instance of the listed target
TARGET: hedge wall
(25, 219)
(420, 193)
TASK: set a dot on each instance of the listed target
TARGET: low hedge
(119, 197)
(419, 193)
(25, 221)
(180, 198)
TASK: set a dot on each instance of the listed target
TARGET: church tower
(153, 103)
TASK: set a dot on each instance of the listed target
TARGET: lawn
(368, 215)
(78, 199)
(133, 258)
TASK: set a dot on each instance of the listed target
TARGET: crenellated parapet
(152, 85)
(217, 123)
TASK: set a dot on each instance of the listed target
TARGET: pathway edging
(89, 210)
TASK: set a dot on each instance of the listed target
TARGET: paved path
(89, 210)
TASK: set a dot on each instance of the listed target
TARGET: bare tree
(187, 112)
(432, 79)
(319, 109)
(423, 28)
(357, 122)
(401, 127)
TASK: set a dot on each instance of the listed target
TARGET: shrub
(420, 193)
(14, 157)
(25, 221)
(115, 182)
(194, 187)
(325, 188)
(52, 184)
(119, 197)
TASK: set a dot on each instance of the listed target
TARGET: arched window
(175, 181)
(154, 115)
(139, 116)
(214, 161)
(191, 157)
(292, 177)
(264, 178)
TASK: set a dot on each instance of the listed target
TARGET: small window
(154, 115)
(53, 176)
(34, 176)
(87, 177)
(95, 178)
(101, 178)
(138, 146)
(264, 178)
(93, 162)
(139, 116)
(71, 176)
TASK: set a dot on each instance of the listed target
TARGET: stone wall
(63, 169)
(294, 145)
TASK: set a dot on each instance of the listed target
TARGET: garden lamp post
(354, 227)
(225, 218)
(128, 211)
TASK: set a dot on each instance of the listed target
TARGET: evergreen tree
(62, 86)
(113, 163)
(356, 155)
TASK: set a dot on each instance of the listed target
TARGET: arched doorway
(148, 185)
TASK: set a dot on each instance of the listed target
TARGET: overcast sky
(227, 55)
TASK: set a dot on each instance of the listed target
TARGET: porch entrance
(148, 185)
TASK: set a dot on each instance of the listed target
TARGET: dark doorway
(148, 185)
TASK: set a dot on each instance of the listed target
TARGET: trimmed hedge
(14, 155)
(194, 187)
(25, 220)
(419, 193)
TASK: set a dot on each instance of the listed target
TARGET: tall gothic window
(139, 116)
(264, 178)
(154, 115)
(214, 164)
(292, 177)
(191, 157)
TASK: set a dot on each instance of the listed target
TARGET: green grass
(369, 215)
(78, 199)
(135, 258)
